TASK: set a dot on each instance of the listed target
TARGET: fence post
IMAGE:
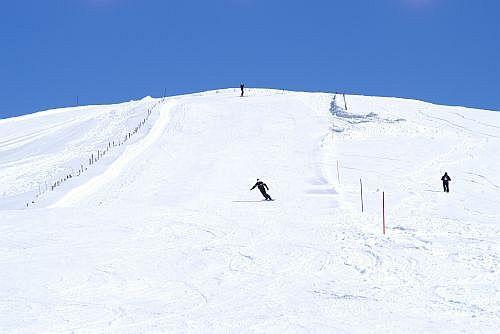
(383, 212)
(338, 173)
(361, 184)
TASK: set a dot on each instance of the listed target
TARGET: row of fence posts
(93, 158)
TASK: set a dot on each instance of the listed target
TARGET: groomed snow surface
(162, 234)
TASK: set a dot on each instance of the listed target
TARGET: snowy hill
(159, 231)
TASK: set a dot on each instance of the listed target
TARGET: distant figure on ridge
(446, 179)
(242, 87)
(262, 187)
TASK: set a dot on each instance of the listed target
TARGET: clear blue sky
(104, 51)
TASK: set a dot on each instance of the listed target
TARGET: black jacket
(445, 178)
(261, 185)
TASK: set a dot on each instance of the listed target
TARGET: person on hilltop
(262, 187)
(446, 179)
(242, 87)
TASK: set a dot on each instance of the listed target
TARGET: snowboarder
(262, 187)
(446, 179)
(242, 87)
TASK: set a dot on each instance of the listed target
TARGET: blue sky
(104, 51)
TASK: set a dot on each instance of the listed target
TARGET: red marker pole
(383, 212)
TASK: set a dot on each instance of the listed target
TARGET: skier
(242, 87)
(262, 187)
(445, 180)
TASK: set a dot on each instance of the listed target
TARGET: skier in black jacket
(242, 87)
(446, 179)
(262, 187)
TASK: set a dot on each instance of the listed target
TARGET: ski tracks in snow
(180, 247)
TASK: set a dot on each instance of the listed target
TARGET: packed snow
(160, 233)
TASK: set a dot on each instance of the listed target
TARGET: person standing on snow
(242, 87)
(262, 187)
(446, 179)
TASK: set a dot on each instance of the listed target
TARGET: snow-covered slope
(40, 149)
(162, 233)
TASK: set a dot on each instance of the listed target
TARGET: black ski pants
(266, 195)
(446, 187)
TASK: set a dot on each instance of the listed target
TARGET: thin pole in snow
(338, 173)
(383, 212)
(361, 184)
(345, 103)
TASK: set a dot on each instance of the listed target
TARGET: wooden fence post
(338, 173)
(383, 212)
(361, 184)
